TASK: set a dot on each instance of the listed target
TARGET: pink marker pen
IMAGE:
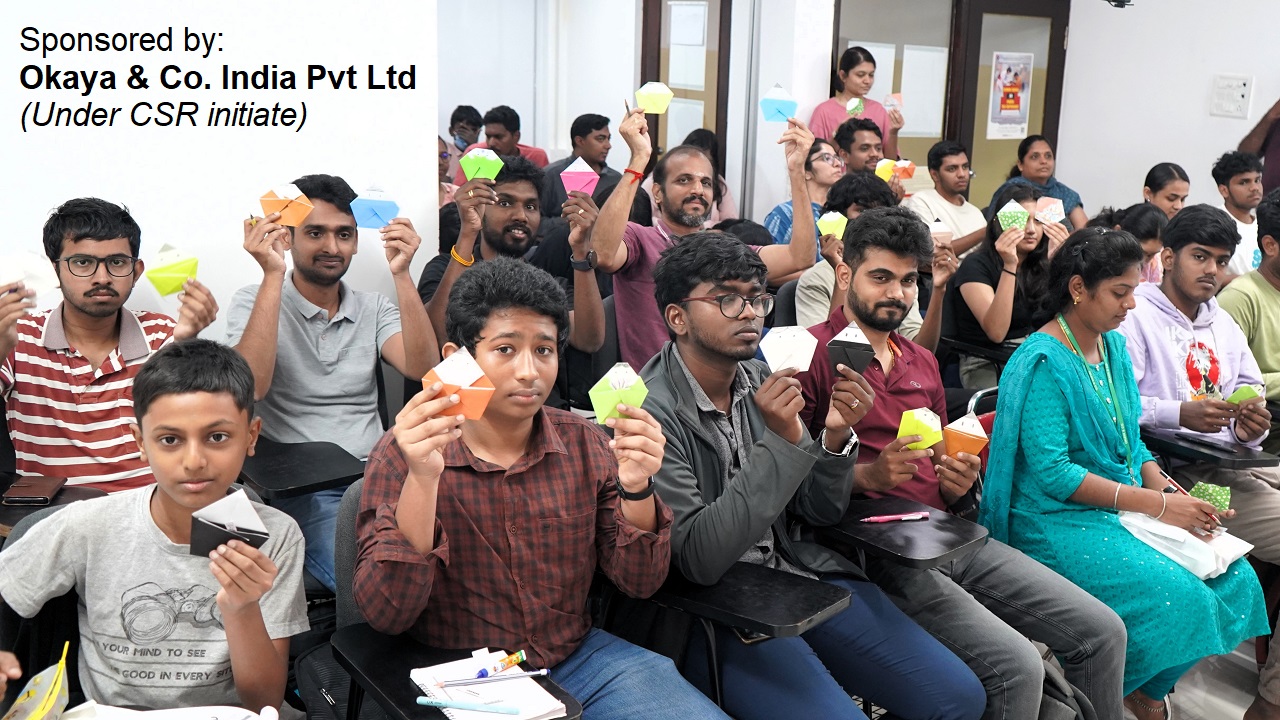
(904, 517)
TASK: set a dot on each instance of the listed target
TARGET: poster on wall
(1010, 109)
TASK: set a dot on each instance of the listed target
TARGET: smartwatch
(642, 495)
(584, 265)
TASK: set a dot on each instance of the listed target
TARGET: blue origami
(372, 213)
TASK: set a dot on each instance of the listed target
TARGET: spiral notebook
(525, 693)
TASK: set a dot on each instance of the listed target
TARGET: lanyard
(1111, 389)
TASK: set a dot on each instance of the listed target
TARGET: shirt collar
(132, 343)
(309, 310)
(741, 387)
(544, 440)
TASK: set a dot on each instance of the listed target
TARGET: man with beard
(1239, 179)
(314, 343)
(1189, 356)
(983, 606)
(67, 374)
(945, 202)
(682, 188)
(861, 147)
(739, 467)
(504, 215)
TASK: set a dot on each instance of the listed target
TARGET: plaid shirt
(515, 549)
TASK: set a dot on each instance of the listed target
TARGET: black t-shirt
(984, 267)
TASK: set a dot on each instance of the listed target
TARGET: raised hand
(639, 446)
(780, 401)
(400, 241)
(197, 308)
(423, 427)
(244, 572)
(267, 241)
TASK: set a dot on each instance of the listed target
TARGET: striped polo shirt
(68, 419)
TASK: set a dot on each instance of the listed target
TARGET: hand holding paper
(923, 422)
(1013, 215)
(579, 176)
(170, 269)
(620, 386)
(220, 522)
(777, 105)
(788, 348)
(460, 374)
(374, 209)
(480, 162)
(288, 200)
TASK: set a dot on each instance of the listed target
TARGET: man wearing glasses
(67, 375)
(739, 464)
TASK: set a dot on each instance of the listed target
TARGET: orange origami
(459, 374)
(965, 435)
(288, 200)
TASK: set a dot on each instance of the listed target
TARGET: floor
(1218, 688)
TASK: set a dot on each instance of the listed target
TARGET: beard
(322, 277)
(685, 216)
(871, 317)
(502, 242)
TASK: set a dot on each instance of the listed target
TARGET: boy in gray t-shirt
(159, 627)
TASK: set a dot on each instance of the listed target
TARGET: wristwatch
(848, 447)
(584, 265)
(642, 495)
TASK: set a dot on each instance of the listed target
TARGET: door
(685, 44)
(1012, 53)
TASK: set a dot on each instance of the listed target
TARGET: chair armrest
(920, 544)
(281, 470)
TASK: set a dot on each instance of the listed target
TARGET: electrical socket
(1231, 96)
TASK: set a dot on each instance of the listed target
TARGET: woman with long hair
(850, 82)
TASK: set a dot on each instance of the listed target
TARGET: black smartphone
(850, 348)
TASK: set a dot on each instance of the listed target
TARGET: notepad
(534, 702)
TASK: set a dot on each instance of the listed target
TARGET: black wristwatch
(584, 265)
(633, 497)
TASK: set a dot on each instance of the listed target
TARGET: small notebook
(534, 702)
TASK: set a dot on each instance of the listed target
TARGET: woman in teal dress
(1066, 456)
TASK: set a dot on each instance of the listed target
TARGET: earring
(1076, 300)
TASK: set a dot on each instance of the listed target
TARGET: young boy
(488, 532)
(161, 628)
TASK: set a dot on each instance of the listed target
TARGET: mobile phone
(1208, 443)
(850, 348)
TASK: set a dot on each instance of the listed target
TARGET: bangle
(637, 176)
(1007, 270)
(1116, 502)
(453, 253)
(1164, 505)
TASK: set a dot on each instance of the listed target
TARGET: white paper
(789, 347)
(852, 334)
(969, 425)
(579, 166)
(232, 511)
(459, 369)
(286, 192)
(93, 711)
(168, 254)
(621, 376)
(777, 93)
(33, 270)
(483, 153)
(375, 192)
(927, 417)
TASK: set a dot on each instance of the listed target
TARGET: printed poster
(1010, 109)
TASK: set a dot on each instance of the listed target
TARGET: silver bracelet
(1116, 501)
(1164, 504)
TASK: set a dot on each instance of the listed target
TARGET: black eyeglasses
(732, 305)
(87, 265)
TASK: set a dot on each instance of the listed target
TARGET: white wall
(1137, 91)
(486, 57)
(193, 187)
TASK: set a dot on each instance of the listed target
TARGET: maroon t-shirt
(912, 383)
(1271, 159)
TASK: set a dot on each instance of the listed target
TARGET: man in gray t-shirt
(314, 343)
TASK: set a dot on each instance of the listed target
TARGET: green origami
(1245, 392)
(620, 386)
(923, 422)
(1013, 215)
(1216, 495)
(480, 162)
(855, 106)
(172, 269)
(833, 223)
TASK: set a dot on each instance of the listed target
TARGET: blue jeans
(872, 650)
(614, 679)
(317, 515)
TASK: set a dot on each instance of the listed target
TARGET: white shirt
(1248, 256)
(961, 219)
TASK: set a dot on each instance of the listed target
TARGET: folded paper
(1216, 495)
(833, 223)
(288, 200)
(1050, 210)
(778, 106)
(1013, 215)
(851, 349)
(885, 168)
(788, 347)
(220, 522)
(460, 375)
(170, 269)
(31, 269)
(855, 106)
(480, 162)
(939, 231)
(904, 169)
(893, 102)
(580, 177)
(620, 386)
(965, 435)
(374, 209)
(1246, 392)
(654, 97)
(923, 422)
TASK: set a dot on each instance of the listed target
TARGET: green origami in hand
(1216, 495)
(620, 386)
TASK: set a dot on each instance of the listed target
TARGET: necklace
(1109, 401)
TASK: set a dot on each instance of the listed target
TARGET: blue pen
(477, 707)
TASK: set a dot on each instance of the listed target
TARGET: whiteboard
(886, 55)
(924, 90)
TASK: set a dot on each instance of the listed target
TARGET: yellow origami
(833, 223)
(171, 269)
(654, 97)
(884, 169)
(923, 422)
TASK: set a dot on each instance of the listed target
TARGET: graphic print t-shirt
(151, 633)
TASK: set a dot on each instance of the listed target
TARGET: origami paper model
(885, 168)
(373, 209)
(1216, 495)
(1013, 215)
(904, 169)
(939, 231)
(288, 200)
(32, 270)
(833, 223)
(1050, 210)
(171, 269)
(923, 422)
(851, 349)
(654, 97)
(965, 435)
(620, 386)
(855, 106)
(788, 347)
(460, 375)
(480, 162)
(230, 518)
(579, 176)
(893, 102)
(778, 106)
(1246, 392)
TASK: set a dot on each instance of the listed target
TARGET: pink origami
(579, 176)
